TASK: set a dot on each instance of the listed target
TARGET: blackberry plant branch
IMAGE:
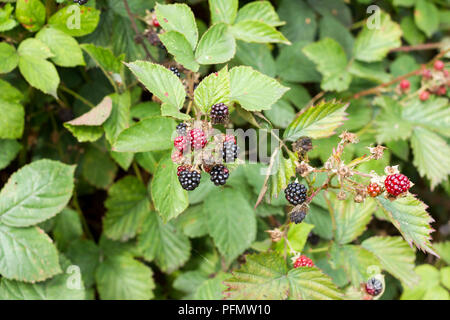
(139, 36)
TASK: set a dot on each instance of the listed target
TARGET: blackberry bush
(102, 149)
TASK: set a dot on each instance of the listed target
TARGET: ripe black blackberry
(80, 2)
(295, 193)
(219, 113)
(182, 129)
(219, 174)
(230, 151)
(189, 180)
(175, 70)
(297, 216)
(374, 286)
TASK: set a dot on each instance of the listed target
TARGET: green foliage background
(85, 171)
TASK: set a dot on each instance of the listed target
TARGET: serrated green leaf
(13, 120)
(178, 46)
(66, 51)
(331, 61)
(281, 114)
(389, 123)
(150, 134)
(217, 45)
(169, 197)
(76, 21)
(8, 58)
(297, 236)
(98, 168)
(86, 255)
(300, 20)
(253, 90)
(351, 218)
(395, 256)
(168, 110)
(370, 71)
(213, 89)
(27, 254)
(260, 11)
(356, 261)
(160, 81)
(426, 16)
(104, 58)
(178, 17)
(266, 277)
(193, 222)
(127, 205)
(431, 155)
(233, 230)
(410, 217)
(374, 44)
(318, 121)
(121, 277)
(331, 27)
(211, 289)
(257, 31)
(56, 288)
(163, 243)
(36, 193)
(257, 56)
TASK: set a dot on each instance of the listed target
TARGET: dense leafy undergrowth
(129, 169)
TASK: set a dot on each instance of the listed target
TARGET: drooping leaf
(27, 254)
(410, 217)
(160, 81)
(217, 45)
(36, 193)
(374, 43)
(331, 61)
(213, 89)
(169, 197)
(395, 256)
(318, 121)
(266, 277)
(232, 230)
(127, 204)
(253, 90)
(163, 243)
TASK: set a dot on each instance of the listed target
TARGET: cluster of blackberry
(195, 139)
(175, 71)
(219, 113)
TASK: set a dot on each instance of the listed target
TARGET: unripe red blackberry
(439, 65)
(426, 74)
(230, 138)
(181, 169)
(295, 193)
(374, 190)
(424, 95)
(441, 91)
(197, 138)
(396, 184)
(189, 179)
(219, 175)
(303, 261)
(219, 113)
(181, 143)
(374, 286)
(404, 85)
